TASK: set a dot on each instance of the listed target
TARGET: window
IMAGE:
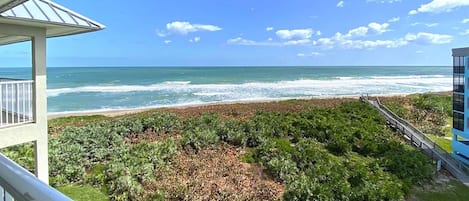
(458, 102)
(458, 83)
(458, 121)
(458, 74)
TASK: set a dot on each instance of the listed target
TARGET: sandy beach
(226, 107)
(250, 105)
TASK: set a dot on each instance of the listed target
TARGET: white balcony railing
(16, 105)
(16, 183)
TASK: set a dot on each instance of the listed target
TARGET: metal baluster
(1, 104)
(30, 107)
(17, 102)
(6, 103)
(24, 103)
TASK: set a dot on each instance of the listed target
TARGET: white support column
(40, 104)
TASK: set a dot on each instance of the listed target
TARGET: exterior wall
(465, 134)
(460, 142)
(37, 131)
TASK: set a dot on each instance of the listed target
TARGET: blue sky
(260, 32)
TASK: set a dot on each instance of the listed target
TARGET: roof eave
(10, 5)
(461, 52)
(40, 23)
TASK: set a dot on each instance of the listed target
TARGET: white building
(23, 103)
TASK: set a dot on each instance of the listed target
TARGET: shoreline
(129, 111)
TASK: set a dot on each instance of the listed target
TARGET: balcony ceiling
(58, 20)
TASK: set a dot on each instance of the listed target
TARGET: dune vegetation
(337, 149)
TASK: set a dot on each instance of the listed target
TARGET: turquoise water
(110, 88)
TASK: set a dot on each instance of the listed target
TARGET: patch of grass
(448, 126)
(83, 193)
(398, 109)
(75, 120)
(453, 190)
(442, 141)
(58, 124)
(248, 157)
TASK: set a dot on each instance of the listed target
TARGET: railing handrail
(16, 102)
(15, 81)
(455, 167)
(23, 185)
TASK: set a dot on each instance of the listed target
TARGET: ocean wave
(408, 77)
(301, 86)
(210, 93)
(344, 78)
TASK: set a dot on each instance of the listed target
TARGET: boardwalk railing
(417, 138)
(16, 106)
(16, 183)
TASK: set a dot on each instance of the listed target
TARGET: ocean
(94, 89)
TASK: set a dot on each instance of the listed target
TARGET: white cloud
(372, 29)
(419, 51)
(195, 40)
(438, 6)
(464, 21)
(269, 42)
(349, 41)
(167, 41)
(298, 42)
(342, 41)
(246, 42)
(269, 28)
(318, 33)
(329, 43)
(395, 19)
(161, 34)
(183, 28)
(340, 4)
(294, 34)
(311, 54)
(353, 39)
(378, 28)
(424, 38)
(426, 24)
(431, 24)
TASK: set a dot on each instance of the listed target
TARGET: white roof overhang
(7, 4)
(57, 20)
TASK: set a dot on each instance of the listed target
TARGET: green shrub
(408, 164)
(434, 102)
(22, 154)
(161, 122)
(135, 166)
(97, 176)
(233, 133)
(303, 187)
(199, 138)
(127, 125)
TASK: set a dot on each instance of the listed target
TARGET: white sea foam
(344, 78)
(210, 93)
(384, 84)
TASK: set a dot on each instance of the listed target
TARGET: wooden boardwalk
(425, 144)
